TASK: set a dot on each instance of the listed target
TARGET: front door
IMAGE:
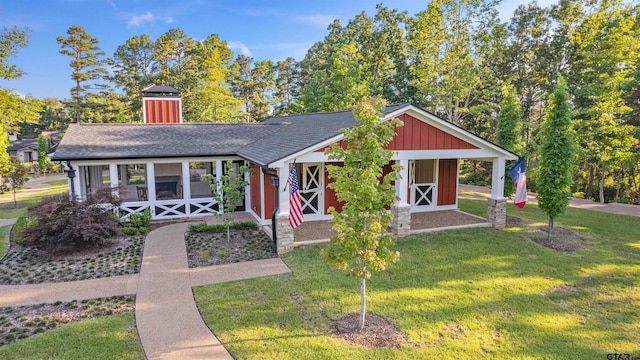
(423, 184)
(311, 189)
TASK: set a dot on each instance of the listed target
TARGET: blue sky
(265, 30)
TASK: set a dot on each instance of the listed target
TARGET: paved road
(613, 208)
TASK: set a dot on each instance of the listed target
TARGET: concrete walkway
(168, 321)
(612, 208)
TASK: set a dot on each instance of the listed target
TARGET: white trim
(154, 160)
(455, 227)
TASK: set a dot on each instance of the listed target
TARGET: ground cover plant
(28, 265)
(208, 244)
(476, 293)
(21, 322)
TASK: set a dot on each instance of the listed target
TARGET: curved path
(168, 321)
(612, 208)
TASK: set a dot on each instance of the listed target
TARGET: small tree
(362, 243)
(508, 127)
(43, 160)
(557, 151)
(228, 191)
(16, 176)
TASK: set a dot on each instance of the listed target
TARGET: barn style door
(311, 189)
(423, 184)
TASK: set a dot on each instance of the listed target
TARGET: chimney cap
(157, 90)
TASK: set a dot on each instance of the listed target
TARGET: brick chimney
(161, 105)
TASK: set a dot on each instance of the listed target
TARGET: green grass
(467, 294)
(111, 337)
(6, 201)
(4, 240)
(58, 182)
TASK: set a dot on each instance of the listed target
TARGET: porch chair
(142, 193)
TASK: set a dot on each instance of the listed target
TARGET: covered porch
(170, 188)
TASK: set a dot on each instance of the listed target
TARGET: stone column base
(401, 223)
(284, 232)
(497, 212)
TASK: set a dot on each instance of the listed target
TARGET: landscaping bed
(20, 322)
(29, 265)
(212, 248)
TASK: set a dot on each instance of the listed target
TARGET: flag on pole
(520, 181)
(295, 209)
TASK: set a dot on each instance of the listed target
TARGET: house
(26, 150)
(160, 163)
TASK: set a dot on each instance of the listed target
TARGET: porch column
(284, 232)
(151, 184)
(218, 176)
(113, 175)
(186, 184)
(497, 203)
(401, 223)
(78, 182)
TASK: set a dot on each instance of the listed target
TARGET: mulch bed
(205, 249)
(562, 239)
(23, 321)
(377, 332)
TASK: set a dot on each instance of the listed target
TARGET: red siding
(162, 111)
(418, 135)
(269, 196)
(256, 197)
(447, 181)
(329, 194)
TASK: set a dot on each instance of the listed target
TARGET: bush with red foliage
(61, 223)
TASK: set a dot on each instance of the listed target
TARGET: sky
(264, 30)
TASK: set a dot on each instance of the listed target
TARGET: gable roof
(24, 144)
(302, 131)
(135, 141)
(277, 139)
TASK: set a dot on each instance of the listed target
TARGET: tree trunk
(363, 302)
(590, 183)
(550, 228)
(602, 185)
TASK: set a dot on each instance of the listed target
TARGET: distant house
(160, 163)
(26, 150)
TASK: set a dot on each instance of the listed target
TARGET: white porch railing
(170, 209)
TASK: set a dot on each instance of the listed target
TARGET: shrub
(22, 223)
(143, 229)
(129, 230)
(204, 228)
(578, 194)
(65, 222)
(141, 219)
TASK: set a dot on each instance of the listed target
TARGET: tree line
(455, 58)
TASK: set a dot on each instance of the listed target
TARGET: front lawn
(111, 337)
(8, 210)
(475, 293)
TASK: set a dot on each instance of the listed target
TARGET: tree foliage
(86, 64)
(508, 127)
(362, 244)
(15, 176)
(557, 153)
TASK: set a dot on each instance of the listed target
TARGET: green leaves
(362, 243)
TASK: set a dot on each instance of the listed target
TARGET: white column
(402, 183)
(79, 190)
(497, 178)
(218, 175)
(186, 183)
(113, 174)
(151, 182)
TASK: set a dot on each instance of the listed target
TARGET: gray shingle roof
(31, 144)
(132, 141)
(302, 131)
(262, 143)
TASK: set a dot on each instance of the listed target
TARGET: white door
(311, 189)
(423, 184)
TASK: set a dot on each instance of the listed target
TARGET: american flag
(295, 209)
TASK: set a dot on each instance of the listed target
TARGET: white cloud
(237, 45)
(148, 17)
(318, 20)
